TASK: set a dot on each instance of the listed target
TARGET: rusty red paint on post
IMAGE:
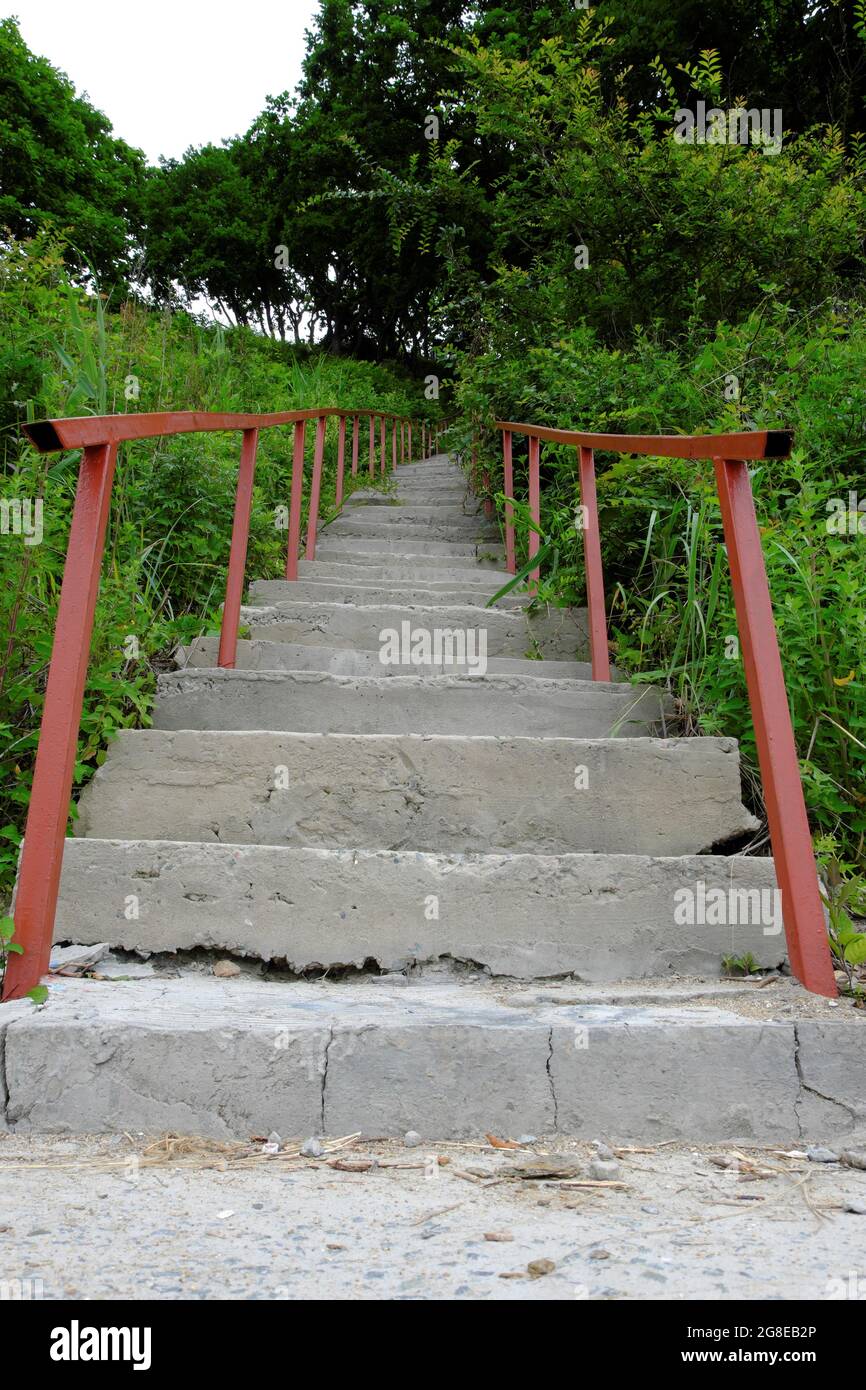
(410, 442)
(45, 831)
(238, 553)
(372, 468)
(341, 461)
(592, 564)
(355, 429)
(790, 837)
(534, 507)
(402, 442)
(393, 446)
(316, 487)
(294, 540)
(382, 445)
(508, 485)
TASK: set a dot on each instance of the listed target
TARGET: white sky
(171, 73)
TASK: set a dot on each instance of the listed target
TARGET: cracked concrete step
(525, 916)
(316, 702)
(559, 634)
(640, 796)
(256, 655)
(231, 1058)
(266, 593)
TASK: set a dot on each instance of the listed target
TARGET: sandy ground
(90, 1218)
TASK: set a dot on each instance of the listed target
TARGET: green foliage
(60, 165)
(740, 965)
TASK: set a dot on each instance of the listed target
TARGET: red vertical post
(228, 649)
(508, 485)
(410, 442)
(372, 445)
(393, 446)
(488, 500)
(316, 486)
(355, 426)
(45, 831)
(791, 841)
(295, 502)
(534, 506)
(382, 445)
(402, 441)
(341, 461)
(592, 564)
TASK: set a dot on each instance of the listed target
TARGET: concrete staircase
(324, 811)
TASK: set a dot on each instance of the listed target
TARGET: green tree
(61, 167)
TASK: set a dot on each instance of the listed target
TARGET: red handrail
(790, 838)
(99, 436)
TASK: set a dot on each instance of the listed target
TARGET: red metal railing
(791, 841)
(99, 437)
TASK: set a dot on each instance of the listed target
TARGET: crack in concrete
(813, 1091)
(550, 1081)
(325, 1077)
(4, 1079)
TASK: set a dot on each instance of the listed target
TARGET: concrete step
(526, 916)
(266, 593)
(231, 1058)
(343, 661)
(641, 796)
(409, 548)
(480, 578)
(448, 529)
(315, 702)
(399, 513)
(436, 499)
(486, 560)
(558, 634)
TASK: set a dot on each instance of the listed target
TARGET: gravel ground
(90, 1219)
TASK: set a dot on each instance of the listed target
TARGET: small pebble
(498, 1235)
(858, 1208)
(274, 1138)
(412, 1139)
(854, 1158)
(536, 1269)
(527, 1139)
(225, 969)
(312, 1148)
(650, 1210)
(604, 1151)
(602, 1170)
(817, 1154)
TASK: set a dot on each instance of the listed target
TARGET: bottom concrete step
(234, 1058)
(527, 916)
